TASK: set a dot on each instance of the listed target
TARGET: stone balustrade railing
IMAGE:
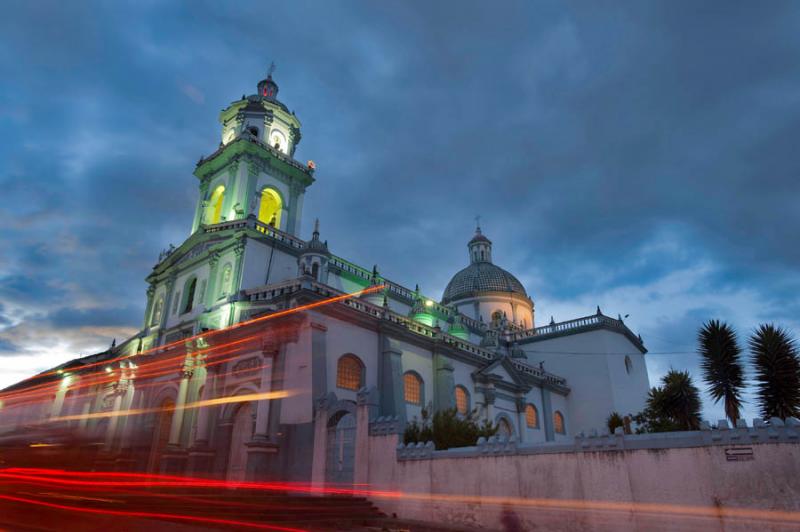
(738, 438)
(586, 322)
(265, 293)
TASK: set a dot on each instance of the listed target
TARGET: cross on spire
(478, 223)
(271, 69)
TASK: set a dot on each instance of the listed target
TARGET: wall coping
(773, 431)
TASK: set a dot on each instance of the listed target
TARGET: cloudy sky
(640, 156)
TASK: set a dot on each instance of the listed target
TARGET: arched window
(504, 428)
(412, 388)
(225, 280)
(558, 423)
(253, 130)
(349, 373)
(158, 309)
(277, 140)
(269, 211)
(214, 209)
(531, 417)
(315, 271)
(462, 400)
(628, 364)
(188, 295)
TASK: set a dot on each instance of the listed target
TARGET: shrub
(447, 429)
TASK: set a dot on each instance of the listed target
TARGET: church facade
(477, 348)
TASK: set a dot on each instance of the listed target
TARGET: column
(58, 401)
(251, 200)
(390, 366)
(211, 289)
(319, 361)
(112, 423)
(231, 186)
(488, 401)
(547, 415)
(201, 456)
(292, 214)
(318, 462)
(521, 421)
(201, 435)
(177, 416)
(201, 202)
(443, 383)
(367, 406)
(151, 290)
(262, 408)
(238, 250)
(167, 302)
(264, 445)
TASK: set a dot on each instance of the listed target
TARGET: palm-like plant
(721, 365)
(677, 399)
(777, 371)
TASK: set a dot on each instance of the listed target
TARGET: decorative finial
(478, 224)
(599, 313)
(316, 227)
(271, 69)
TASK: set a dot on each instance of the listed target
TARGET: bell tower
(253, 173)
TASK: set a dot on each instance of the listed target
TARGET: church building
(477, 348)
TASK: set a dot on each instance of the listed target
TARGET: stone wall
(713, 479)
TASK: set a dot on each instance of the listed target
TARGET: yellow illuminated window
(269, 212)
(462, 400)
(214, 212)
(412, 386)
(558, 422)
(348, 373)
(531, 417)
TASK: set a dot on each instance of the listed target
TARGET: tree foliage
(447, 429)
(614, 420)
(777, 372)
(675, 405)
(721, 365)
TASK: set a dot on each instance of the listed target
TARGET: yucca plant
(677, 399)
(777, 371)
(721, 365)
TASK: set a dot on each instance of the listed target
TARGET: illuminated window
(214, 209)
(462, 400)
(349, 373)
(531, 416)
(412, 388)
(558, 423)
(269, 211)
(277, 140)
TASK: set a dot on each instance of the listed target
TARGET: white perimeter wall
(548, 491)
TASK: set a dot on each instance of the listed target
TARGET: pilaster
(443, 383)
(211, 289)
(547, 415)
(390, 367)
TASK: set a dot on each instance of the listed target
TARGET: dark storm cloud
(640, 155)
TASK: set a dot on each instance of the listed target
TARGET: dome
(481, 277)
